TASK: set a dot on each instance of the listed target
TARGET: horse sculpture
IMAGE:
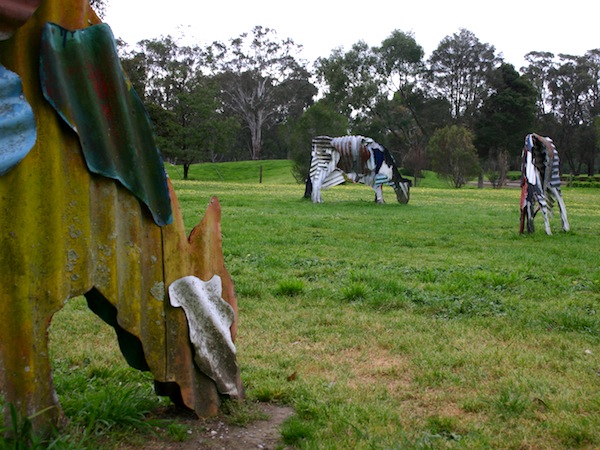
(355, 158)
(540, 183)
(86, 208)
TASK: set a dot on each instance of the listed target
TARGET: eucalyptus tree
(182, 101)
(537, 72)
(135, 65)
(383, 91)
(459, 70)
(170, 67)
(261, 80)
(400, 63)
(574, 85)
(351, 81)
(504, 119)
(407, 112)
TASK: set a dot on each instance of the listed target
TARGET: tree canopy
(261, 81)
(253, 97)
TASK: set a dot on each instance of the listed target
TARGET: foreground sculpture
(540, 183)
(355, 158)
(87, 209)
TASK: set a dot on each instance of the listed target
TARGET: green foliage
(507, 115)
(20, 433)
(319, 119)
(184, 104)
(290, 288)
(241, 413)
(586, 184)
(354, 291)
(459, 69)
(261, 81)
(453, 155)
(352, 84)
(295, 431)
(177, 432)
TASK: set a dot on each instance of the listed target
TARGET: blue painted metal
(17, 123)
(83, 80)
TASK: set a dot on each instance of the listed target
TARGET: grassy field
(427, 325)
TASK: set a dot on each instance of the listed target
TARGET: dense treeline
(254, 98)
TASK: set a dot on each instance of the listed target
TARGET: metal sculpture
(87, 209)
(540, 183)
(353, 158)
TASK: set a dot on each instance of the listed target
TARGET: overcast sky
(513, 27)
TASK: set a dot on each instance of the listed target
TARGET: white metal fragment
(209, 318)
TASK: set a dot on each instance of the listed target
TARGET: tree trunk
(256, 137)
(186, 169)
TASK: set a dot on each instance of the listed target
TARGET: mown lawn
(427, 325)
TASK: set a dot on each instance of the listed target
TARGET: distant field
(427, 325)
(273, 172)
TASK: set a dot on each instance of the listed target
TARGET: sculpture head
(400, 184)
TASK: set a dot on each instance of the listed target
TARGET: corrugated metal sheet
(83, 79)
(17, 124)
(66, 232)
(14, 13)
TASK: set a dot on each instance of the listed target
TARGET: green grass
(273, 172)
(427, 325)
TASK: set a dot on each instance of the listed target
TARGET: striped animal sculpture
(540, 183)
(355, 158)
(87, 209)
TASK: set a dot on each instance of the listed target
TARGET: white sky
(513, 27)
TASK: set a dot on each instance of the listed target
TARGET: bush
(586, 184)
(453, 155)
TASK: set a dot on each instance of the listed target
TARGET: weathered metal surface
(84, 81)
(66, 232)
(17, 124)
(210, 318)
(14, 13)
(356, 158)
(540, 181)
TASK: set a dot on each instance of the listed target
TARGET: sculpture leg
(316, 190)
(541, 199)
(561, 206)
(378, 194)
(544, 209)
(25, 375)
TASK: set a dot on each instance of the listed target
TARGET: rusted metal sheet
(17, 124)
(14, 13)
(83, 79)
(66, 232)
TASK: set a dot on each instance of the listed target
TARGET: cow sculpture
(540, 183)
(86, 209)
(353, 158)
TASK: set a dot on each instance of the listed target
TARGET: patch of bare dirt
(216, 434)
